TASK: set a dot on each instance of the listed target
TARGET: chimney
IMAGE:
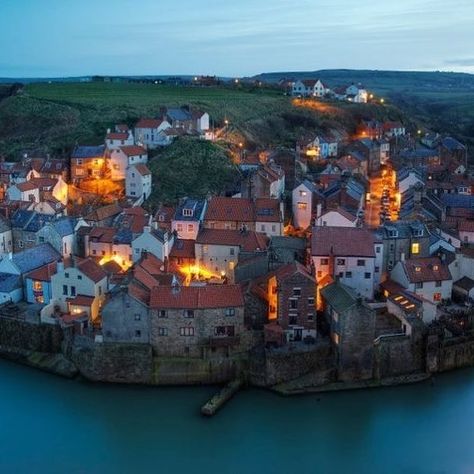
(60, 267)
(318, 210)
(108, 131)
(147, 229)
(402, 257)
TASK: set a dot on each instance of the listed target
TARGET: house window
(302, 193)
(162, 331)
(79, 277)
(137, 316)
(187, 331)
(311, 301)
(65, 290)
(319, 273)
(94, 252)
(417, 268)
(361, 263)
(66, 275)
(437, 297)
(73, 291)
(341, 261)
(302, 205)
(41, 240)
(230, 312)
(37, 286)
(262, 227)
(162, 314)
(100, 291)
(296, 291)
(415, 248)
(274, 228)
(190, 227)
(348, 274)
(367, 275)
(438, 284)
(293, 303)
(310, 317)
(226, 331)
(188, 212)
(20, 244)
(377, 249)
(377, 269)
(232, 251)
(138, 333)
(324, 261)
(419, 285)
(189, 313)
(103, 252)
(335, 338)
(180, 227)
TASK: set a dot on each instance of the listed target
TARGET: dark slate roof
(405, 229)
(458, 200)
(452, 144)
(465, 283)
(178, 114)
(294, 243)
(194, 204)
(88, 151)
(37, 222)
(4, 225)
(123, 236)
(64, 226)
(30, 259)
(9, 282)
(21, 217)
(405, 172)
(339, 296)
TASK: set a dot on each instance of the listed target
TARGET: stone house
(61, 234)
(116, 139)
(6, 237)
(87, 162)
(26, 226)
(403, 238)
(126, 316)
(352, 329)
(195, 321)
(26, 191)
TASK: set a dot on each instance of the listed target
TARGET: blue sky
(232, 38)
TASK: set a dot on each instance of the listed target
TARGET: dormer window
(188, 212)
(393, 233)
(418, 232)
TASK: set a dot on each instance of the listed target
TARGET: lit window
(37, 286)
(302, 205)
(324, 261)
(437, 297)
(415, 248)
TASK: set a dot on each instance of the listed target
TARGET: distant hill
(382, 81)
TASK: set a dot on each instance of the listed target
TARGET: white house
(6, 239)
(346, 253)
(302, 204)
(336, 218)
(407, 178)
(123, 157)
(114, 140)
(188, 218)
(309, 88)
(428, 277)
(138, 181)
(201, 121)
(80, 288)
(154, 241)
(148, 132)
(357, 93)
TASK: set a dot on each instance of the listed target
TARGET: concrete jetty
(219, 399)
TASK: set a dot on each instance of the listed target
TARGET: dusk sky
(41, 38)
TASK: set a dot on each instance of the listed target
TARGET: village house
(428, 277)
(352, 255)
(309, 88)
(403, 239)
(219, 250)
(357, 93)
(149, 132)
(338, 217)
(123, 157)
(138, 182)
(188, 217)
(304, 204)
(61, 234)
(78, 289)
(54, 168)
(266, 181)
(114, 139)
(87, 162)
(38, 284)
(154, 241)
(196, 321)
(393, 129)
(126, 316)
(407, 178)
(26, 226)
(466, 231)
(103, 216)
(26, 191)
(352, 331)
(6, 237)
(182, 253)
(290, 292)
(261, 215)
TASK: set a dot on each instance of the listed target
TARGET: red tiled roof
(197, 297)
(133, 150)
(81, 300)
(387, 126)
(151, 264)
(139, 293)
(142, 169)
(104, 212)
(183, 249)
(267, 210)
(27, 186)
(144, 278)
(243, 210)
(148, 123)
(116, 136)
(466, 225)
(121, 127)
(44, 182)
(342, 241)
(426, 269)
(103, 234)
(249, 241)
(92, 270)
(42, 273)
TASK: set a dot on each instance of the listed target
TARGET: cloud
(460, 62)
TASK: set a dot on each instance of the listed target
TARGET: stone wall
(448, 354)
(274, 367)
(29, 336)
